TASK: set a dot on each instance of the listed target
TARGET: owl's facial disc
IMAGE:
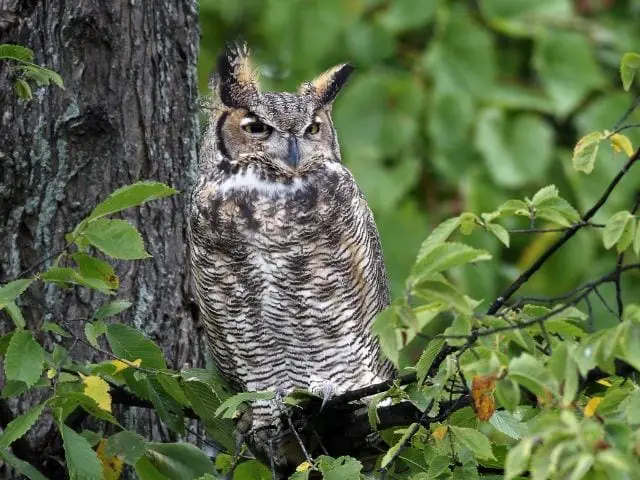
(290, 145)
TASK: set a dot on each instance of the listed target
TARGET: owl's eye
(313, 129)
(257, 128)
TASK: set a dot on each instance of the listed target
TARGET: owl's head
(285, 133)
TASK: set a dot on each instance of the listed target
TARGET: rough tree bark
(128, 113)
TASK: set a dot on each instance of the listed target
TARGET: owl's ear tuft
(326, 86)
(236, 80)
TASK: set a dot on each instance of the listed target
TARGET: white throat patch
(249, 181)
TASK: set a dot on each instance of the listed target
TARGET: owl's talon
(325, 389)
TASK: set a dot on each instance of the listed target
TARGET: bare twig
(29, 270)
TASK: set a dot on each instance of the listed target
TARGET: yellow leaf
(52, 372)
(440, 432)
(98, 389)
(592, 405)
(621, 143)
(111, 466)
(605, 383)
(124, 364)
(303, 467)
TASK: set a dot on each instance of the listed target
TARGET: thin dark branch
(593, 286)
(618, 126)
(524, 277)
(590, 319)
(604, 301)
(556, 229)
(618, 284)
(29, 270)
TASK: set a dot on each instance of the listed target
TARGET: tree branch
(524, 277)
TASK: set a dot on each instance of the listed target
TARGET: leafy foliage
(25, 71)
(543, 386)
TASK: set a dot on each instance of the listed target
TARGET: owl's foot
(325, 389)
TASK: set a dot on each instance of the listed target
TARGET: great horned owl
(285, 254)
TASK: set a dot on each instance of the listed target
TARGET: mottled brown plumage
(285, 254)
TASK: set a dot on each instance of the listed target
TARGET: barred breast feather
(289, 277)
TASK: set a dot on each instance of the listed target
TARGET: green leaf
(55, 328)
(629, 65)
(462, 46)
(169, 411)
(145, 470)
(583, 465)
(130, 344)
(545, 193)
(131, 196)
(92, 437)
(505, 422)
(30, 72)
(386, 459)
(4, 343)
(13, 388)
(445, 256)
(24, 358)
(253, 470)
(403, 15)
(508, 394)
(54, 77)
(566, 63)
(91, 267)
(116, 238)
(64, 276)
(630, 344)
(230, 405)
(129, 445)
(21, 466)
(439, 235)
(16, 52)
(112, 308)
(179, 461)
(585, 152)
(517, 149)
(205, 401)
(615, 228)
(442, 291)
(22, 89)
(461, 328)
(67, 402)
(531, 374)
(173, 388)
(12, 290)
(500, 232)
(627, 235)
(636, 241)
(341, 468)
(475, 441)
(426, 359)
(514, 207)
(384, 328)
(518, 459)
(82, 460)
(93, 330)
(16, 315)
(19, 426)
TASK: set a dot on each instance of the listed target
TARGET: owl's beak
(294, 154)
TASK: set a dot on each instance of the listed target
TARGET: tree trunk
(128, 113)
